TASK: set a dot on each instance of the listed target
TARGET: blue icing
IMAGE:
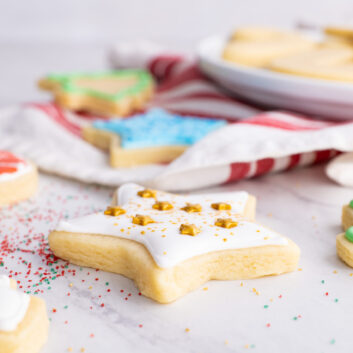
(159, 128)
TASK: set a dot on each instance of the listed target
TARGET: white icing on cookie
(163, 239)
(13, 305)
(8, 160)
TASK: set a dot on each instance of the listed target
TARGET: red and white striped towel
(255, 143)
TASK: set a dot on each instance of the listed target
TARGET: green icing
(67, 83)
(349, 234)
(351, 204)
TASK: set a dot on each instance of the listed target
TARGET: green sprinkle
(107, 283)
(66, 306)
(351, 204)
(265, 306)
(333, 341)
(295, 318)
(349, 234)
(323, 281)
(336, 300)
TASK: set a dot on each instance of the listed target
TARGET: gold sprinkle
(122, 230)
(143, 232)
(114, 211)
(82, 350)
(162, 206)
(224, 239)
(147, 193)
(189, 229)
(116, 224)
(265, 238)
(192, 208)
(164, 253)
(69, 349)
(163, 236)
(205, 288)
(226, 223)
(241, 284)
(71, 284)
(351, 274)
(187, 330)
(90, 287)
(300, 269)
(221, 206)
(226, 342)
(142, 220)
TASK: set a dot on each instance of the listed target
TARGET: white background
(181, 21)
(41, 36)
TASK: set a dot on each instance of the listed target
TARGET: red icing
(9, 162)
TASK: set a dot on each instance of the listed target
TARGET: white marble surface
(228, 316)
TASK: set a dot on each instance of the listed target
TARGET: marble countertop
(91, 311)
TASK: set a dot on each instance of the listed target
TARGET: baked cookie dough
(172, 244)
(325, 62)
(344, 246)
(18, 179)
(258, 47)
(347, 215)
(113, 93)
(23, 320)
(153, 137)
(343, 32)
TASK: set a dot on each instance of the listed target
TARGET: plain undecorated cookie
(258, 47)
(328, 62)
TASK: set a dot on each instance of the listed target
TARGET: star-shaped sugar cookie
(171, 244)
(113, 93)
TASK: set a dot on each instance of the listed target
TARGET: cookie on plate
(18, 179)
(112, 93)
(343, 32)
(171, 244)
(324, 62)
(153, 137)
(23, 320)
(257, 46)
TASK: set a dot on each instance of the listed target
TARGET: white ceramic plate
(333, 100)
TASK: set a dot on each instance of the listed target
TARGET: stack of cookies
(294, 53)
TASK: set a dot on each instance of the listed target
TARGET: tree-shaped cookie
(112, 93)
